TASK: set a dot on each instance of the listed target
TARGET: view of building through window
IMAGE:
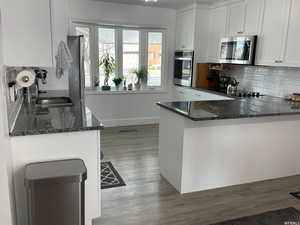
(154, 58)
(132, 50)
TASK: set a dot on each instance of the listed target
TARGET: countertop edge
(57, 131)
(226, 117)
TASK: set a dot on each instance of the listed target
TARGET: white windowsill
(98, 91)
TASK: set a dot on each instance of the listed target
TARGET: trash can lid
(61, 171)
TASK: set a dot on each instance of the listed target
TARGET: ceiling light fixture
(151, 0)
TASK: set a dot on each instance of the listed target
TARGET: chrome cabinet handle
(278, 61)
(240, 32)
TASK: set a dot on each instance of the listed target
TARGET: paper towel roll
(25, 78)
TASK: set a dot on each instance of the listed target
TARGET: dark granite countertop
(233, 109)
(35, 120)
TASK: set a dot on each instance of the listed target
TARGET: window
(131, 54)
(131, 48)
(154, 58)
(107, 45)
(85, 31)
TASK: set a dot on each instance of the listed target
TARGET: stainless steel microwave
(238, 50)
(183, 68)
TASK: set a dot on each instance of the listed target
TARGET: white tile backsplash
(275, 81)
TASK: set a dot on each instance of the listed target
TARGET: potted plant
(118, 80)
(142, 77)
(109, 66)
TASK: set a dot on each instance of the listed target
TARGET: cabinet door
(253, 16)
(179, 32)
(271, 41)
(292, 52)
(236, 18)
(217, 31)
(26, 33)
(185, 30)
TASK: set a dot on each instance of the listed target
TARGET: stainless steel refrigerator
(76, 72)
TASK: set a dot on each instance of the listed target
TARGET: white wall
(54, 83)
(6, 199)
(128, 109)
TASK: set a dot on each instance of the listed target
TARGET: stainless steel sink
(54, 101)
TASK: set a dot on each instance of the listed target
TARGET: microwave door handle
(181, 58)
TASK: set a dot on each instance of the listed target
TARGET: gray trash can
(55, 192)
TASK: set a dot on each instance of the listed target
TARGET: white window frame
(94, 48)
(164, 62)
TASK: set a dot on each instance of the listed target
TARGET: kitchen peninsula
(211, 144)
(52, 133)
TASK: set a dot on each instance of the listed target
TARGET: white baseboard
(130, 122)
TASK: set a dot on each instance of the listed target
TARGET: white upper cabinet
(253, 13)
(185, 30)
(201, 35)
(217, 31)
(26, 33)
(271, 42)
(236, 18)
(244, 18)
(292, 50)
(275, 22)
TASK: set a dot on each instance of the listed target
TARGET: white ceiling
(172, 4)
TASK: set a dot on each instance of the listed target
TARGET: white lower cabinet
(83, 145)
(185, 94)
(189, 94)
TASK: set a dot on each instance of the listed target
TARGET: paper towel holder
(25, 79)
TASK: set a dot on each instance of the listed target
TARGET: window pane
(131, 54)
(154, 58)
(85, 31)
(107, 45)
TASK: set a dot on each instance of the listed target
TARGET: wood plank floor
(149, 200)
